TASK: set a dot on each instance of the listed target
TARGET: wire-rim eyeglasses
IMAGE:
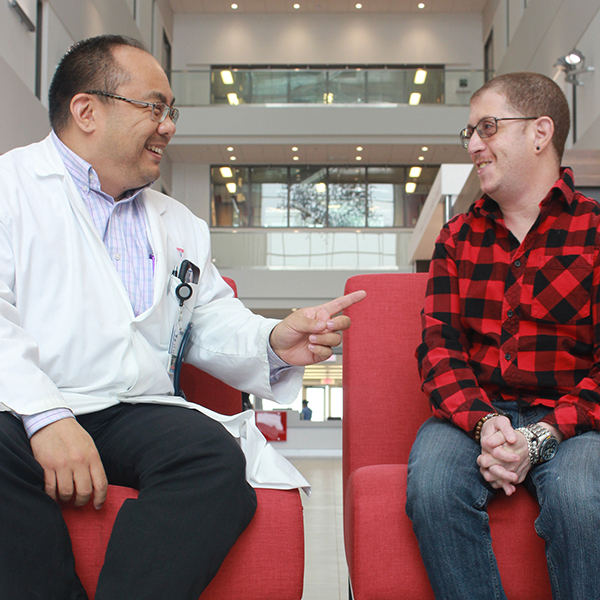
(160, 110)
(486, 128)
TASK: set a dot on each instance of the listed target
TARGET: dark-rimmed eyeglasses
(486, 128)
(160, 110)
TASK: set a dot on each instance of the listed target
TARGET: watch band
(541, 443)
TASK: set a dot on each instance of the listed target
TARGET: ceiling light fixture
(420, 76)
(359, 5)
(294, 148)
(414, 99)
(231, 187)
(415, 172)
(424, 149)
(421, 158)
(295, 158)
(234, 6)
(321, 187)
(359, 148)
(421, 5)
(230, 149)
(359, 158)
(227, 77)
(233, 99)
(232, 158)
(296, 6)
(410, 187)
(226, 172)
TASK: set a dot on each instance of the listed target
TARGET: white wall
(452, 39)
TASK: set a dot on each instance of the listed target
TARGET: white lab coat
(68, 335)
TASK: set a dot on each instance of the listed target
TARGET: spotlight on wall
(573, 64)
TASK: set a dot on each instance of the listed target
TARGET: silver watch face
(548, 449)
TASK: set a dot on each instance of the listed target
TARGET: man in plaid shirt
(510, 358)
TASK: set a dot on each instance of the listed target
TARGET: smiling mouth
(155, 150)
(483, 164)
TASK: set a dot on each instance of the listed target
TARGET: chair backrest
(383, 402)
(201, 388)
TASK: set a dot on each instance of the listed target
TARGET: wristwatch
(542, 443)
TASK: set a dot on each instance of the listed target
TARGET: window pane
(347, 197)
(308, 197)
(269, 196)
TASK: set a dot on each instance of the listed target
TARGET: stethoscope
(188, 273)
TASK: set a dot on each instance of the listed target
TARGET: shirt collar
(83, 174)
(563, 190)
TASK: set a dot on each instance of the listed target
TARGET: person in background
(305, 413)
(510, 358)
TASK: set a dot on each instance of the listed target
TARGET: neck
(521, 208)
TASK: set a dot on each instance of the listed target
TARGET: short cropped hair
(87, 65)
(534, 95)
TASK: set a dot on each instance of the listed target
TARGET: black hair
(88, 65)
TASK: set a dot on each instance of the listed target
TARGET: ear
(84, 111)
(543, 132)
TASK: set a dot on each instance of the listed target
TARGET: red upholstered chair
(383, 409)
(253, 568)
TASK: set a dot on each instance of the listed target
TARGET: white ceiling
(340, 154)
(326, 6)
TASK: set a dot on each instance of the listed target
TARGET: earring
(537, 148)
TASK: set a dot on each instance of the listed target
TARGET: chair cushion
(383, 554)
(266, 563)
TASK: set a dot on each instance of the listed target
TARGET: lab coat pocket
(178, 315)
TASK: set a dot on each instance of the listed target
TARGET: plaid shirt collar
(563, 190)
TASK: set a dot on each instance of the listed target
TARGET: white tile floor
(326, 573)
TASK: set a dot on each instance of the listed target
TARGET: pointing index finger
(339, 304)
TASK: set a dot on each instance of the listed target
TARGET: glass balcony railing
(432, 85)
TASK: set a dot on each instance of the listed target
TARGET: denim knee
(443, 471)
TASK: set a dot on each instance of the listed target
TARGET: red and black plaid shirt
(516, 322)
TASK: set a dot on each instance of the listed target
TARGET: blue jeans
(447, 500)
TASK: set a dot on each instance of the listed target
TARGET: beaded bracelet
(481, 422)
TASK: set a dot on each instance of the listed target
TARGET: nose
(167, 128)
(476, 144)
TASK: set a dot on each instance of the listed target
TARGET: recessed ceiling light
(232, 158)
(414, 99)
(359, 148)
(359, 6)
(420, 76)
(359, 158)
(295, 149)
(226, 171)
(420, 5)
(234, 6)
(424, 149)
(231, 187)
(227, 77)
(410, 187)
(295, 158)
(421, 158)
(296, 6)
(415, 172)
(230, 149)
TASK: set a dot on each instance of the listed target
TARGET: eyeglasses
(160, 110)
(486, 128)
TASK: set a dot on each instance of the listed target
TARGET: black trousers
(194, 503)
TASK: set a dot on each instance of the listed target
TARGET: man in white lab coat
(100, 279)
